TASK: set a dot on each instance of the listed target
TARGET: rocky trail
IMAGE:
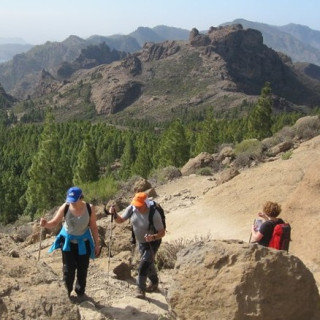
(197, 207)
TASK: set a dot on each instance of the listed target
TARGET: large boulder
(233, 280)
(202, 160)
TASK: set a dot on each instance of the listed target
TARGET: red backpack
(281, 237)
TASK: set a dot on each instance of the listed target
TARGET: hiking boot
(82, 297)
(140, 294)
(152, 287)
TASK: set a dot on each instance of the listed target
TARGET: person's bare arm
(153, 237)
(55, 220)
(255, 235)
(263, 216)
(94, 230)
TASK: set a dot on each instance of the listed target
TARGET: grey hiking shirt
(76, 225)
(140, 222)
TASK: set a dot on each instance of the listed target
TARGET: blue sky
(38, 21)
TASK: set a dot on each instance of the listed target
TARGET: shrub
(164, 175)
(247, 151)
(307, 127)
(242, 160)
(206, 171)
(167, 254)
(285, 134)
(286, 155)
(252, 147)
(100, 191)
(269, 142)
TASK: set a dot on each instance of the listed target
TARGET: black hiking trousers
(147, 267)
(73, 262)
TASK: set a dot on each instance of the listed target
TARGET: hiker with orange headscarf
(149, 239)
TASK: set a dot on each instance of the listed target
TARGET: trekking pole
(40, 236)
(110, 240)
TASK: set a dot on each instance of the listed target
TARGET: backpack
(153, 208)
(66, 208)
(281, 237)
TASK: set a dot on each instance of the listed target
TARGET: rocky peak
(198, 40)
(156, 51)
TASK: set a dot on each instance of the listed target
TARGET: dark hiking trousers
(73, 262)
(147, 268)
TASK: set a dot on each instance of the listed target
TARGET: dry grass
(168, 252)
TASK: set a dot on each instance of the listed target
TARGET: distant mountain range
(299, 42)
(8, 51)
(164, 70)
(225, 68)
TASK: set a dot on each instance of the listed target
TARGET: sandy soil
(197, 207)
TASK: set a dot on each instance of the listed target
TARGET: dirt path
(196, 207)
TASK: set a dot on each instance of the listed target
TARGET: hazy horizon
(37, 21)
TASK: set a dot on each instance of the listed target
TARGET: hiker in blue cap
(78, 239)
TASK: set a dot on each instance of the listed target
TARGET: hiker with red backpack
(78, 239)
(273, 232)
(148, 235)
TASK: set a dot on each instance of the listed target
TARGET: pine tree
(87, 168)
(11, 188)
(143, 163)
(174, 148)
(50, 174)
(208, 138)
(128, 158)
(259, 120)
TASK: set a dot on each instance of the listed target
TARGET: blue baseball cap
(73, 194)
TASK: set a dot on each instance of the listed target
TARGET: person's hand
(106, 211)
(112, 210)
(97, 251)
(149, 237)
(43, 222)
(263, 215)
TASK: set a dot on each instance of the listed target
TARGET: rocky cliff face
(6, 100)
(223, 68)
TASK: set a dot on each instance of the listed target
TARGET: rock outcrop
(30, 289)
(232, 280)
(202, 160)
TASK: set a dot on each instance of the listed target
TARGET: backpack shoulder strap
(151, 214)
(130, 211)
(88, 208)
(66, 208)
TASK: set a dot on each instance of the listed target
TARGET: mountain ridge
(222, 68)
(164, 73)
(163, 33)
